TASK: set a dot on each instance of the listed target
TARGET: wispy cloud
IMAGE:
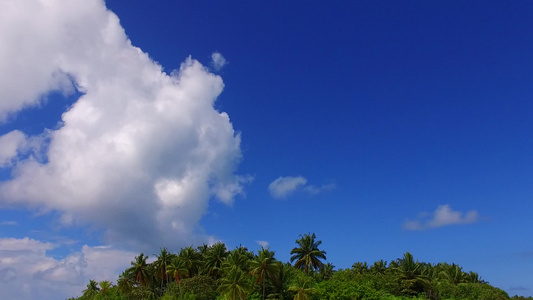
(311, 189)
(218, 61)
(263, 244)
(9, 223)
(444, 215)
(285, 186)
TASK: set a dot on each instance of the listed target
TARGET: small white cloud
(263, 244)
(443, 216)
(9, 223)
(284, 186)
(218, 61)
(311, 189)
(412, 225)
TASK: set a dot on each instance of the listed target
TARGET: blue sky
(383, 127)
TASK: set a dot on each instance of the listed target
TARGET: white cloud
(284, 186)
(139, 155)
(218, 61)
(28, 272)
(10, 145)
(9, 223)
(443, 216)
(311, 189)
(263, 244)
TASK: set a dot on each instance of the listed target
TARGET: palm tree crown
(264, 267)
(307, 255)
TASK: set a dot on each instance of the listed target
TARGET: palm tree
(202, 249)
(191, 259)
(454, 274)
(379, 267)
(126, 282)
(161, 264)
(283, 279)
(235, 285)
(302, 288)
(430, 272)
(327, 271)
(177, 270)
(307, 255)
(360, 267)
(140, 269)
(264, 267)
(91, 290)
(104, 287)
(473, 277)
(237, 259)
(411, 276)
(213, 259)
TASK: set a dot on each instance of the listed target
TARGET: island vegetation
(214, 272)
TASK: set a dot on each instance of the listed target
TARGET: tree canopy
(214, 272)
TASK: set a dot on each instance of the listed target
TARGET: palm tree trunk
(179, 287)
(263, 289)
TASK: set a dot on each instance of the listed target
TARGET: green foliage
(303, 287)
(235, 285)
(202, 286)
(213, 272)
(516, 297)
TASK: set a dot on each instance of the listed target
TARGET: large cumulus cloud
(139, 154)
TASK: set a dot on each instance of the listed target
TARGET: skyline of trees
(210, 272)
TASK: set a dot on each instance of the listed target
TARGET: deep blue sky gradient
(403, 105)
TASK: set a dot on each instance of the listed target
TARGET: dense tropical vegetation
(214, 272)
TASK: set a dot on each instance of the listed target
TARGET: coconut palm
(161, 264)
(473, 277)
(239, 259)
(140, 269)
(327, 271)
(235, 285)
(410, 272)
(214, 258)
(379, 267)
(454, 274)
(283, 279)
(104, 287)
(177, 271)
(202, 249)
(91, 290)
(303, 289)
(126, 282)
(430, 272)
(191, 259)
(360, 267)
(307, 255)
(264, 267)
